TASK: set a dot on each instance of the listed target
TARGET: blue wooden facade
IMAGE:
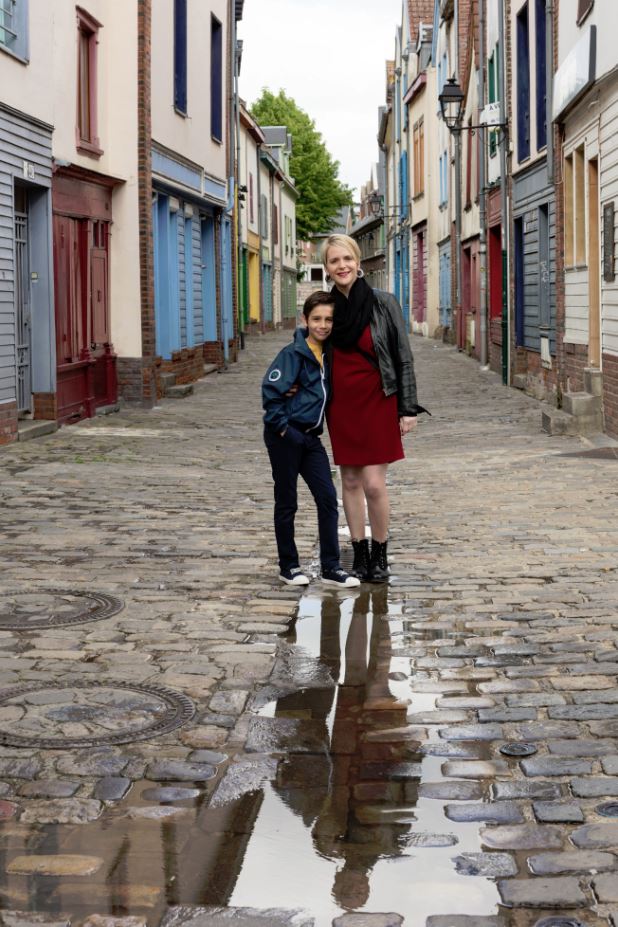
(192, 240)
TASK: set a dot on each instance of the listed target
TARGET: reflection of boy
(292, 425)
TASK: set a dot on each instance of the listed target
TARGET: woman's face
(342, 267)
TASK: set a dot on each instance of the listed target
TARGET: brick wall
(187, 365)
(130, 373)
(610, 394)
(213, 352)
(45, 406)
(575, 360)
(146, 257)
(8, 422)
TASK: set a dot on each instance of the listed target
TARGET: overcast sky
(329, 55)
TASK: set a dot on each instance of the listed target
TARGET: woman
(373, 399)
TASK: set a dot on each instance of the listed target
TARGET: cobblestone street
(177, 749)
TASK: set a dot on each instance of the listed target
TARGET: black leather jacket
(392, 347)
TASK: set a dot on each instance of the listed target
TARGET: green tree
(321, 193)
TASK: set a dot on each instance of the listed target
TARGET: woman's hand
(406, 424)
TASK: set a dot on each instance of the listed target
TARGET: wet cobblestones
(502, 628)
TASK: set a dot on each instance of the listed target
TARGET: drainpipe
(549, 86)
(482, 194)
(504, 141)
(260, 224)
(239, 263)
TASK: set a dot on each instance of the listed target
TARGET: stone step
(33, 428)
(559, 422)
(179, 392)
(593, 381)
(167, 380)
(109, 409)
(210, 368)
(579, 404)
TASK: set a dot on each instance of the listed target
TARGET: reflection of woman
(373, 401)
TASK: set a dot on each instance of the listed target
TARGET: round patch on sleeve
(274, 375)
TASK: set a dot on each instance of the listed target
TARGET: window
(469, 150)
(264, 217)
(443, 178)
(492, 96)
(523, 85)
(579, 211)
(275, 225)
(87, 38)
(14, 27)
(251, 206)
(216, 79)
(403, 185)
(574, 209)
(569, 249)
(541, 76)
(419, 157)
(180, 56)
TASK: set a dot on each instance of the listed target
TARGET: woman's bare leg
(374, 489)
(353, 500)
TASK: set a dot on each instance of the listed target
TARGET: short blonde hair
(341, 241)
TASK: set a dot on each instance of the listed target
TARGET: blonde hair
(341, 241)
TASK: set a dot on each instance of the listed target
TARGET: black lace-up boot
(360, 567)
(378, 562)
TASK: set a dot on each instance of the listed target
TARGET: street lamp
(374, 201)
(451, 102)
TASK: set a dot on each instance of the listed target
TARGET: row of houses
(145, 219)
(498, 232)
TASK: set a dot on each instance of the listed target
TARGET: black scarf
(352, 314)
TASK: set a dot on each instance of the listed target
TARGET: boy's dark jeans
(297, 453)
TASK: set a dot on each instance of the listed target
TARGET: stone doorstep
(210, 368)
(27, 429)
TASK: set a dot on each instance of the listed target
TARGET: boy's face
(320, 322)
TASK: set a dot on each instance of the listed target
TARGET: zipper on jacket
(321, 415)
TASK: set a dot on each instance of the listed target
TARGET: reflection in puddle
(342, 827)
(339, 827)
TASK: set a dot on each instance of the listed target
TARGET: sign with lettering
(609, 273)
(576, 73)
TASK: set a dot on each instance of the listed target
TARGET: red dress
(363, 423)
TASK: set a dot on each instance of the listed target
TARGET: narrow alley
(184, 742)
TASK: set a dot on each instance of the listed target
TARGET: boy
(292, 424)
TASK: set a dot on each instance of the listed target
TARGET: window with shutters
(87, 136)
(14, 28)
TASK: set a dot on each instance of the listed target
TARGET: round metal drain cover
(54, 608)
(559, 922)
(517, 749)
(609, 809)
(53, 716)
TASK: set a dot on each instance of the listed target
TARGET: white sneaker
(339, 578)
(294, 577)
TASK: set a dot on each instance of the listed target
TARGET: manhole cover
(518, 749)
(609, 809)
(46, 608)
(88, 714)
(559, 922)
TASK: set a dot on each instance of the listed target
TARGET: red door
(462, 321)
(86, 369)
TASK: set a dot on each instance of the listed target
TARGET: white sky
(329, 56)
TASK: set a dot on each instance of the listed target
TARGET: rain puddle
(342, 828)
(341, 824)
